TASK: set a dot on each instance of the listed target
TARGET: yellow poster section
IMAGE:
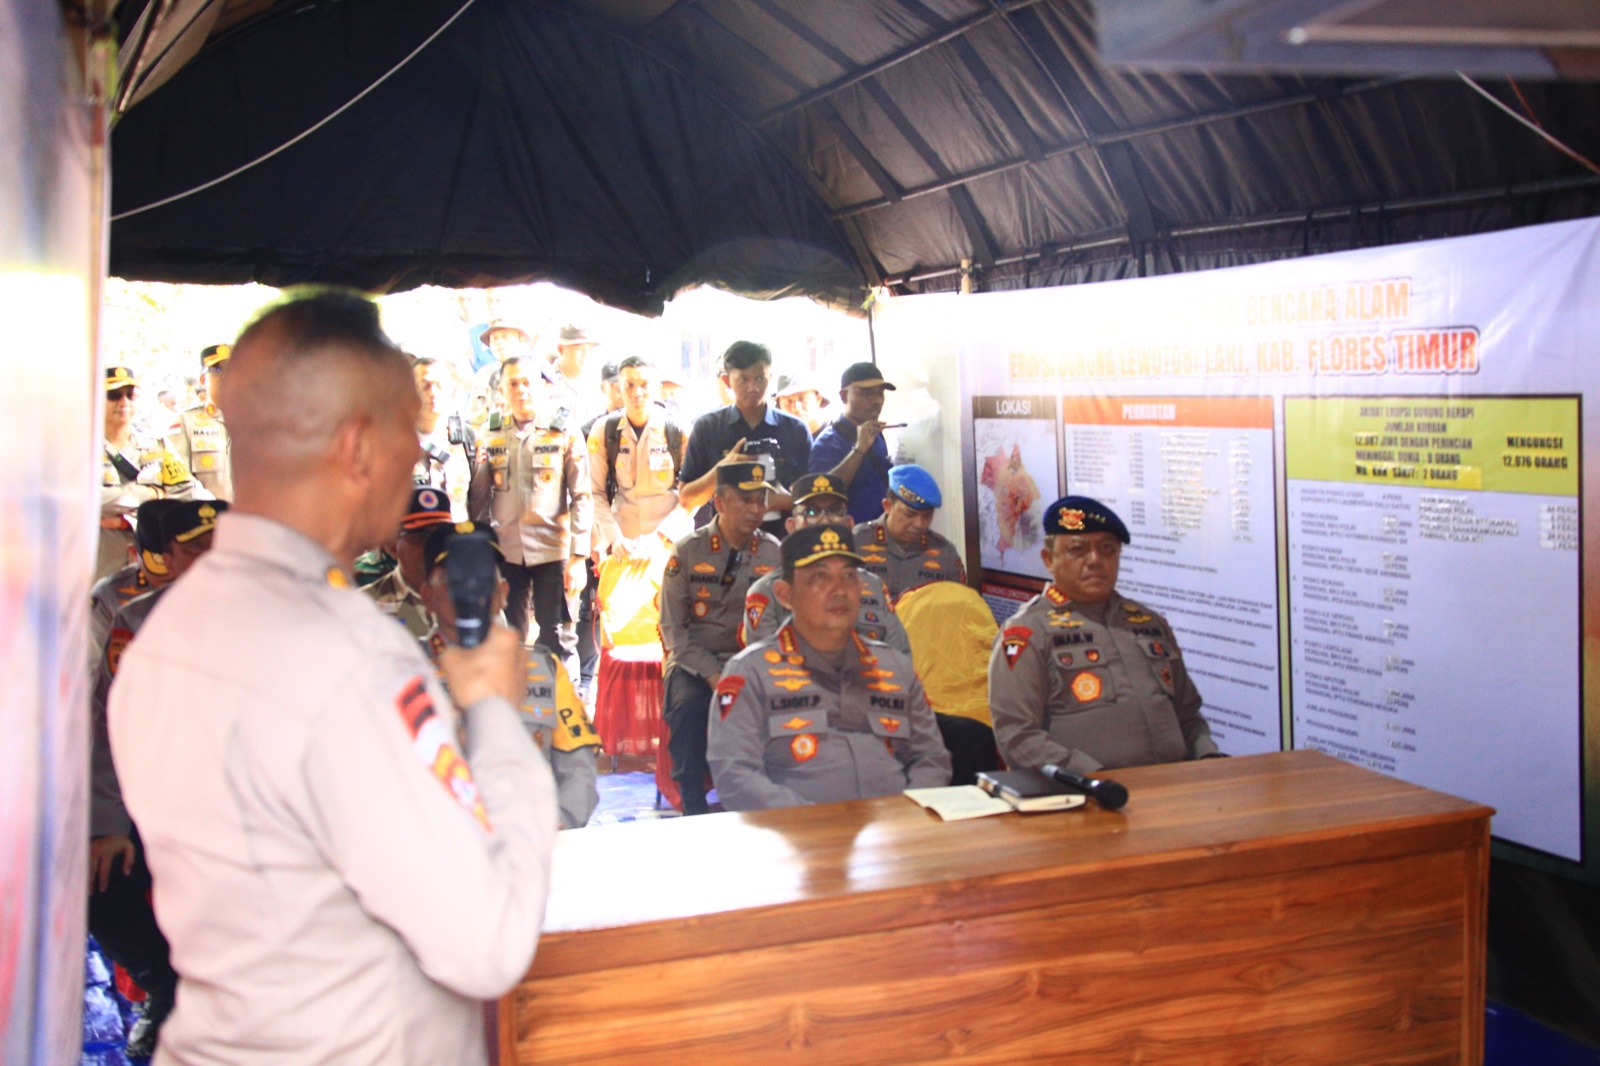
(1527, 445)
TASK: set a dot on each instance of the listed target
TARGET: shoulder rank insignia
(1131, 607)
(1054, 595)
(1013, 642)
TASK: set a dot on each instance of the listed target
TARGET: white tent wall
(51, 261)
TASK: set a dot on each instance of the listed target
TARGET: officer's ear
(789, 524)
(785, 593)
(1047, 553)
(502, 593)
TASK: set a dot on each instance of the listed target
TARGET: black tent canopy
(774, 147)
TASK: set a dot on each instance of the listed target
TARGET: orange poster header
(1248, 412)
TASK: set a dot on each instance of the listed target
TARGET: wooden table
(1278, 908)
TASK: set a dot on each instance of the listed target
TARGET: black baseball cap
(866, 374)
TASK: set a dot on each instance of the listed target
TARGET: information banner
(1354, 485)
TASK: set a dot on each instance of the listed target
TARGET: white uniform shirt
(647, 488)
(336, 882)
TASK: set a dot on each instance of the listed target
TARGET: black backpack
(613, 439)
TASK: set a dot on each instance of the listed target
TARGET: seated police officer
(702, 601)
(146, 574)
(1083, 678)
(819, 499)
(816, 714)
(551, 711)
(120, 914)
(899, 545)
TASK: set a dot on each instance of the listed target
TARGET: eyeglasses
(807, 511)
(127, 392)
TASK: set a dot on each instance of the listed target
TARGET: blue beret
(915, 487)
(1080, 514)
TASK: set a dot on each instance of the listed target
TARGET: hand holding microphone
(1108, 794)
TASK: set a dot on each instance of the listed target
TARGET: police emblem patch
(1070, 518)
(754, 607)
(803, 747)
(672, 566)
(728, 690)
(1086, 687)
(1013, 642)
(1064, 658)
(1093, 655)
(701, 608)
(431, 739)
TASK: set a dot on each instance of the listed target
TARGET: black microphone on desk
(470, 568)
(1108, 794)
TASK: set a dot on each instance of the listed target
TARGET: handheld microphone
(1108, 794)
(470, 568)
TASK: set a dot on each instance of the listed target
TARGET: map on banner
(1018, 477)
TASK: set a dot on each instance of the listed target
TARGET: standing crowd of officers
(782, 543)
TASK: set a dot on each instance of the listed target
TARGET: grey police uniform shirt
(107, 814)
(201, 441)
(933, 558)
(702, 597)
(875, 620)
(788, 728)
(554, 717)
(533, 483)
(339, 877)
(1085, 690)
(109, 595)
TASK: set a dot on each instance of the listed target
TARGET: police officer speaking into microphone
(1082, 677)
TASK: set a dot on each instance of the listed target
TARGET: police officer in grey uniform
(551, 711)
(201, 438)
(1083, 678)
(816, 714)
(120, 915)
(819, 499)
(148, 573)
(702, 602)
(899, 546)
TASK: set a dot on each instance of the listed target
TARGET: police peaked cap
(914, 487)
(429, 506)
(746, 477)
(813, 485)
(147, 524)
(188, 519)
(1080, 514)
(119, 377)
(213, 357)
(436, 549)
(814, 543)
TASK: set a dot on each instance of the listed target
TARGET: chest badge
(803, 747)
(1086, 687)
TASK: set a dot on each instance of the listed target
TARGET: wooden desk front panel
(1359, 945)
